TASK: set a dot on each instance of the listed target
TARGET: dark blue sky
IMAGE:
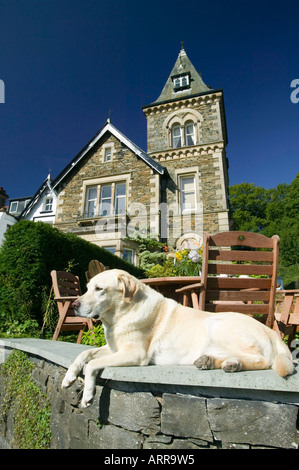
(67, 63)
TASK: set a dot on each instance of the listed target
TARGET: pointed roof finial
(109, 116)
(182, 51)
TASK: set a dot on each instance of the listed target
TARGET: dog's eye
(98, 288)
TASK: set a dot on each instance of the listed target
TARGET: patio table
(168, 285)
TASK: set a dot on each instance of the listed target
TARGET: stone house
(174, 191)
(102, 191)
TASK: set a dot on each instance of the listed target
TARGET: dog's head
(107, 293)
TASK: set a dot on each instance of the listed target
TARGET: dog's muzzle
(76, 304)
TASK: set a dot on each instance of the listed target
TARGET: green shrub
(167, 269)
(28, 255)
(151, 251)
(94, 337)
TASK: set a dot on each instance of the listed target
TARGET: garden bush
(29, 253)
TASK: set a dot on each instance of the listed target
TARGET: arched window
(183, 136)
(189, 134)
(183, 128)
(176, 136)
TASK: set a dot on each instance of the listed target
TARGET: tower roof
(177, 86)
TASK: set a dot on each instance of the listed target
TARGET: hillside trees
(271, 211)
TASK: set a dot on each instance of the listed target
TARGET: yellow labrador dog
(142, 327)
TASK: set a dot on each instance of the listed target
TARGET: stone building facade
(106, 193)
(175, 191)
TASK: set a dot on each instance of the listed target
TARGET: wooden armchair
(229, 261)
(286, 315)
(66, 288)
(95, 267)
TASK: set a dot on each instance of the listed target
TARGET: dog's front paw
(68, 380)
(86, 401)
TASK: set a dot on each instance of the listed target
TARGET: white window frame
(99, 183)
(120, 197)
(187, 191)
(178, 82)
(178, 138)
(20, 203)
(131, 253)
(188, 134)
(16, 204)
(192, 171)
(48, 204)
(181, 140)
(88, 201)
(106, 201)
(108, 154)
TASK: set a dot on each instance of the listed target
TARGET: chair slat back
(65, 284)
(94, 267)
(239, 268)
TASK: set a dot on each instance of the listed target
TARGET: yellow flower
(184, 252)
(178, 255)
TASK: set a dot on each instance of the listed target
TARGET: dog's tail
(282, 363)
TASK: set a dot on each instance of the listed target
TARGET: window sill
(111, 219)
(185, 146)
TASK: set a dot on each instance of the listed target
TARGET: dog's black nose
(76, 304)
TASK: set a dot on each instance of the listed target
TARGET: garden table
(168, 285)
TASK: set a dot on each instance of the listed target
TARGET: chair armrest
(198, 285)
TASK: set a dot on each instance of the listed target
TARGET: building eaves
(158, 103)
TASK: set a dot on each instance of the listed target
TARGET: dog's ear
(129, 286)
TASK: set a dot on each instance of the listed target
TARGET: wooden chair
(66, 288)
(286, 315)
(95, 267)
(229, 259)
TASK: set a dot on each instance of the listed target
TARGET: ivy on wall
(29, 406)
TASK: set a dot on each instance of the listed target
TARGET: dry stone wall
(151, 416)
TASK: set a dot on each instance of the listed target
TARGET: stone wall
(158, 411)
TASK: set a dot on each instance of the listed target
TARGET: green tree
(271, 211)
(248, 206)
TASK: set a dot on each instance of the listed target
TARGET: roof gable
(46, 186)
(109, 128)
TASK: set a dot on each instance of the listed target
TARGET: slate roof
(197, 86)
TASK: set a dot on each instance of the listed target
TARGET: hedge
(31, 250)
